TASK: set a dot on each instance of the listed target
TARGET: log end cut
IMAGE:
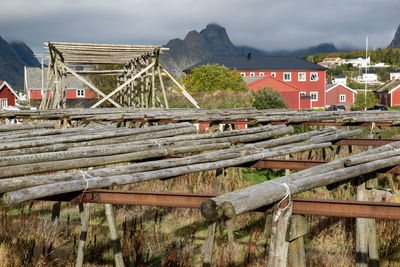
(209, 210)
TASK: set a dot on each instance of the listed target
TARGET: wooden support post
(55, 214)
(337, 152)
(361, 229)
(84, 210)
(296, 230)
(278, 249)
(209, 243)
(119, 261)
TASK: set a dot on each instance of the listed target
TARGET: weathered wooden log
(41, 167)
(15, 197)
(276, 144)
(149, 131)
(265, 193)
(26, 126)
(366, 158)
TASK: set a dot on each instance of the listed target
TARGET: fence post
(119, 261)
(296, 230)
(84, 210)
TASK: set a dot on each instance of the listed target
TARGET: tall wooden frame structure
(137, 85)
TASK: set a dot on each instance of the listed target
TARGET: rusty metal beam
(335, 208)
(291, 164)
(365, 142)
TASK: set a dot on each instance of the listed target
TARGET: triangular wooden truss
(137, 85)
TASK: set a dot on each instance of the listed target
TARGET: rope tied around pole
(160, 146)
(287, 196)
(84, 175)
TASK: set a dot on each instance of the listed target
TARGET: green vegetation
(214, 78)
(267, 98)
(361, 103)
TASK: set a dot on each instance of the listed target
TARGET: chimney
(249, 56)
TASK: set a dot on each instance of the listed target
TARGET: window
(273, 74)
(261, 74)
(3, 102)
(314, 96)
(342, 98)
(287, 76)
(303, 93)
(302, 76)
(80, 92)
(314, 76)
(252, 74)
(243, 74)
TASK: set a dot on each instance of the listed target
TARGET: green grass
(258, 175)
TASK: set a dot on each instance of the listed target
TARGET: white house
(394, 75)
(358, 61)
(340, 80)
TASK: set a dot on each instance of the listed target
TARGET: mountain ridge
(396, 39)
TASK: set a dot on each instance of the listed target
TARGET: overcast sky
(264, 24)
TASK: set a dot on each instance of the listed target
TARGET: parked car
(336, 108)
(378, 107)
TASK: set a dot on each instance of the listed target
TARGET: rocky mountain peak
(396, 39)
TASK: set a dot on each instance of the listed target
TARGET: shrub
(267, 98)
(361, 104)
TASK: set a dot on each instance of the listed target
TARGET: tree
(267, 98)
(213, 78)
(361, 104)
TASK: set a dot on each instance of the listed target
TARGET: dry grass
(152, 236)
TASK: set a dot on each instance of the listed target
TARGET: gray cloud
(264, 24)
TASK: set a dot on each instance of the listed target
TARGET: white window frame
(316, 96)
(261, 74)
(311, 75)
(4, 102)
(305, 76)
(303, 93)
(243, 74)
(290, 76)
(78, 94)
(252, 74)
(342, 96)
(273, 74)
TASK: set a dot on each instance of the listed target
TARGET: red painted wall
(305, 103)
(395, 98)
(71, 94)
(306, 86)
(333, 96)
(6, 93)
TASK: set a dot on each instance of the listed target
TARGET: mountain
(214, 41)
(396, 39)
(13, 58)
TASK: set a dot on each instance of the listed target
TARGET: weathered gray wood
(361, 230)
(26, 126)
(256, 194)
(16, 183)
(278, 248)
(55, 214)
(112, 225)
(12, 198)
(84, 211)
(296, 230)
(366, 158)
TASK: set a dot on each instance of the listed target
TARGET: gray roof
(328, 86)
(34, 79)
(340, 76)
(260, 63)
(250, 79)
(394, 71)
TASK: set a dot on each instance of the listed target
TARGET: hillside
(214, 41)
(13, 57)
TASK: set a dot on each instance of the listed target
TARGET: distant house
(389, 93)
(293, 96)
(8, 96)
(368, 76)
(394, 74)
(331, 61)
(339, 94)
(340, 80)
(77, 93)
(358, 61)
(294, 71)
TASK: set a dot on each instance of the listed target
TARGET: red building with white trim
(7, 95)
(340, 94)
(394, 96)
(304, 75)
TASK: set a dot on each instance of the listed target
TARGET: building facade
(7, 95)
(340, 94)
(308, 77)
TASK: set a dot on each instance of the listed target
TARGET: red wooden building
(77, 93)
(340, 94)
(299, 73)
(294, 97)
(394, 96)
(7, 95)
